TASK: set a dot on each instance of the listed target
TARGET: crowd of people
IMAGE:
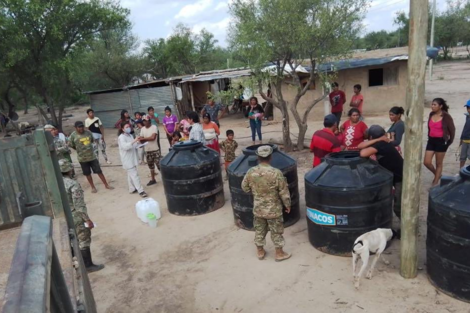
(385, 146)
(139, 143)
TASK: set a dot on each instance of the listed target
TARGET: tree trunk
(301, 140)
(286, 129)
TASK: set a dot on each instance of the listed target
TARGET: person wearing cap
(60, 143)
(270, 192)
(128, 151)
(388, 157)
(93, 124)
(465, 138)
(170, 124)
(81, 140)
(325, 141)
(82, 222)
(149, 134)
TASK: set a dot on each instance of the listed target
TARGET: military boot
(281, 255)
(261, 253)
(90, 267)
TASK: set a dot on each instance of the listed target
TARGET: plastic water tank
(448, 238)
(192, 179)
(242, 203)
(346, 196)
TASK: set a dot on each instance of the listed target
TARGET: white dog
(374, 241)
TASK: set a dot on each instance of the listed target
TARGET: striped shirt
(323, 143)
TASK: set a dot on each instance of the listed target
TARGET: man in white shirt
(128, 151)
(94, 125)
(149, 134)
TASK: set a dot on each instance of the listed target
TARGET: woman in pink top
(353, 131)
(441, 133)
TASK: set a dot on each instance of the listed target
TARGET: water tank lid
(187, 145)
(345, 158)
(251, 150)
(465, 173)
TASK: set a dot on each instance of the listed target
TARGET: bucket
(152, 220)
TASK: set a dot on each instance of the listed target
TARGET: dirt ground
(206, 264)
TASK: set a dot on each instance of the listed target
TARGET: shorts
(94, 166)
(227, 164)
(153, 158)
(465, 151)
(437, 145)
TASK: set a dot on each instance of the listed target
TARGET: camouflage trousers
(83, 233)
(275, 226)
(99, 144)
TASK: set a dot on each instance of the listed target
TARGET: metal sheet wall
(108, 106)
(158, 97)
(21, 170)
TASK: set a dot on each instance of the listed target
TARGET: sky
(153, 19)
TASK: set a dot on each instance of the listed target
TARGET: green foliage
(42, 40)
(111, 61)
(452, 27)
(185, 53)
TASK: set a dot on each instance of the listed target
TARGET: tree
(403, 23)
(185, 53)
(112, 61)
(156, 53)
(43, 39)
(287, 33)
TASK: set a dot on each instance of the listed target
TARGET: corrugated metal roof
(206, 76)
(356, 63)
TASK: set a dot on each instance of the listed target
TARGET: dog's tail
(358, 247)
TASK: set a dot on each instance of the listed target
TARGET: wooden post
(192, 96)
(413, 137)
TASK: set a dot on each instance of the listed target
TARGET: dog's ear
(396, 234)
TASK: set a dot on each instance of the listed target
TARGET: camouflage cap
(49, 126)
(264, 151)
(65, 166)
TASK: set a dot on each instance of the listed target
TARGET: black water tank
(346, 196)
(242, 203)
(448, 239)
(192, 178)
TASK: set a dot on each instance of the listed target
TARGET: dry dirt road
(206, 264)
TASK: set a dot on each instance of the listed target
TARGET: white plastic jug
(146, 206)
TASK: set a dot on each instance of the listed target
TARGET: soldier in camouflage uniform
(61, 147)
(269, 188)
(79, 214)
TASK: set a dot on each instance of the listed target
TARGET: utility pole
(413, 138)
(432, 37)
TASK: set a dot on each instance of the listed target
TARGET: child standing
(465, 138)
(229, 146)
(137, 130)
(170, 124)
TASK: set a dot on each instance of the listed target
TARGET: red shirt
(352, 136)
(323, 143)
(357, 101)
(337, 100)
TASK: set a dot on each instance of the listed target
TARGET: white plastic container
(146, 206)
